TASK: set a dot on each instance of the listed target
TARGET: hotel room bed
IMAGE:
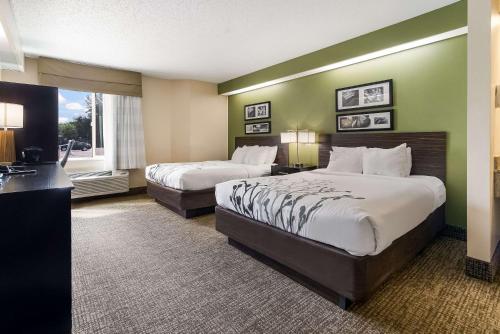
(202, 175)
(344, 210)
(188, 188)
(342, 234)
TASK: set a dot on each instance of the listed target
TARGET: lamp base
(7, 146)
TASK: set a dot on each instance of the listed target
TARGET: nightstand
(285, 170)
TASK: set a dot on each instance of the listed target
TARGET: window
(81, 119)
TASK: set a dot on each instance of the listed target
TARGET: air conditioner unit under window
(88, 184)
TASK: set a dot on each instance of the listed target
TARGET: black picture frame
(373, 127)
(268, 130)
(359, 89)
(247, 110)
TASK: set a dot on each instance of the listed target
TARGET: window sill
(98, 158)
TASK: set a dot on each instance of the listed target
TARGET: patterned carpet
(138, 268)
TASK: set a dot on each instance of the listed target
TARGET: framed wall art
(257, 128)
(368, 121)
(257, 111)
(371, 95)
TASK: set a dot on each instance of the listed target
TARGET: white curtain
(123, 132)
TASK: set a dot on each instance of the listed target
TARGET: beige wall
(495, 81)
(209, 122)
(481, 221)
(495, 69)
(157, 117)
(184, 120)
(199, 121)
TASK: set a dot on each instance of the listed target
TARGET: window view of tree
(99, 136)
(80, 119)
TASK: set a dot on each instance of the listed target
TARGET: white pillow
(271, 154)
(388, 162)
(346, 159)
(238, 155)
(261, 156)
(256, 155)
(250, 153)
(408, 162)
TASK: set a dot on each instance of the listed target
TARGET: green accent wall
(430, 94)
(441, 20)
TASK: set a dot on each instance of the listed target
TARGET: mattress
(201, 175)
(361, 214)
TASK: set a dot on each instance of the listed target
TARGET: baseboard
(495, 261)
(131, 192)
(136, 191)
(481, 269)
(454, 232)
(473, 267)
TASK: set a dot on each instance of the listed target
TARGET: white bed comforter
(362, 214)
(201, 175)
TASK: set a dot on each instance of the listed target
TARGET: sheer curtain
(123, 132)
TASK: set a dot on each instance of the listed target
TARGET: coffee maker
(32, 155)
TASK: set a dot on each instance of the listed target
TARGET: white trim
(12, 54)
(94, 158)
(356, 60)
(481, 216)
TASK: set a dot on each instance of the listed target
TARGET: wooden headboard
(428, 148)
(281, 156)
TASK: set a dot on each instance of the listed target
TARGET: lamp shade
(306, 137)
(11, 115)
(288, 137)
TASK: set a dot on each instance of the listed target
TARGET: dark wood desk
(35, 251)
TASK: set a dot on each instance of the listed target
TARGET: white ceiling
(209, 40)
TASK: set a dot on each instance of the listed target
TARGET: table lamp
(306, 137)
(298, 137)
(11, 117)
